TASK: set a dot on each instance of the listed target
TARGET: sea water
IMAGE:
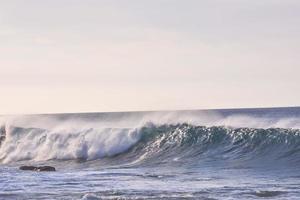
(201, 154)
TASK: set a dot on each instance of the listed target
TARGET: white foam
(89, 144)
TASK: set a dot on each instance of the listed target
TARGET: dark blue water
(212, 154)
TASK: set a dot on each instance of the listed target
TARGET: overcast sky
(109, 55)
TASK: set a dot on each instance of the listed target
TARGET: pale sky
(109, 55)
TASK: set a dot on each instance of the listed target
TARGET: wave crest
(152, 144)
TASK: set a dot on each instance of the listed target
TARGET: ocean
(192, 154)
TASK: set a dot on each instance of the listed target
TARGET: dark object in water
(32, 168)
(38, 169)
(46, 168)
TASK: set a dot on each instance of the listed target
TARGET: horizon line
(164, 110)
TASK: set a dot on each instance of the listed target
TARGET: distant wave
(152, 144)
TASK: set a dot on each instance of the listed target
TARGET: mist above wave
(260, 118)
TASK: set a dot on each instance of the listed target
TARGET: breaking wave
(151, 144)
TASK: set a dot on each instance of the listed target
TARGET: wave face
(153, 144)
(191, 144)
